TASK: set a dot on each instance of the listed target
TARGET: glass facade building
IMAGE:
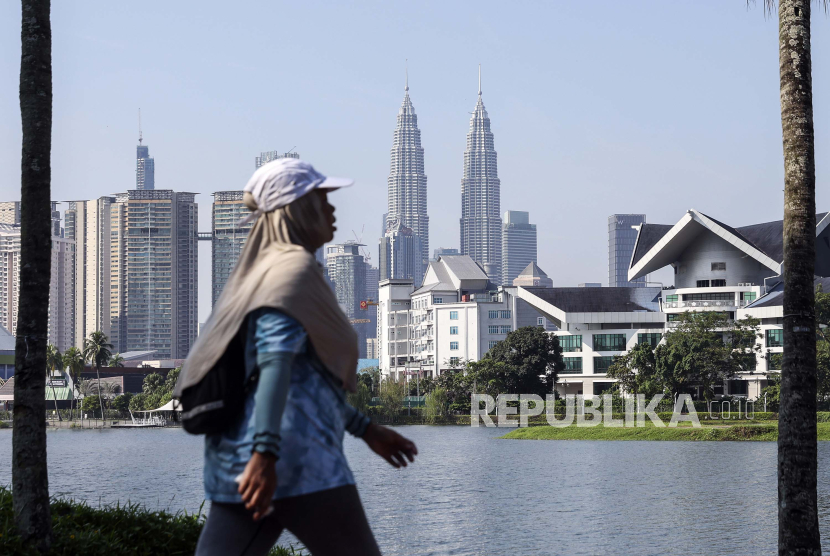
(407, 194)
(145, 168)
(400, 255)
(518, 245)
(346, 270)
(228, 237)
(622, 237)
(481, 195)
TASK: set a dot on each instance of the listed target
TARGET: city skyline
(571, 151)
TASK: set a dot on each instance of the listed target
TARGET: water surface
(472, 493)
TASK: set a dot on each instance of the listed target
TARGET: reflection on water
(471, 493)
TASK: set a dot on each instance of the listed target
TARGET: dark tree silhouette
(30, 483)
(798, 531)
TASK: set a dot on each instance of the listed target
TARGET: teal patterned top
(308, 436)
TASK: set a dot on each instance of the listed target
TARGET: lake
(472, 493)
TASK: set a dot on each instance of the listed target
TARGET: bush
(137, 402)
(124, 530)
(437, 407)
(122, 402)
(391, 398)
(360, 399)
(91, 407)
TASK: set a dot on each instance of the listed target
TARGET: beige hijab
(277, 268)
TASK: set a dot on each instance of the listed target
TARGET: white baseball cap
(283, 181)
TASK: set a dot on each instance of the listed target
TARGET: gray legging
(329, 523)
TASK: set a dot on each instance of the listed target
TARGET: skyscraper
(480, 195)
(145, 166)
(346, 271)
(518, 244)
(269, 156)
(622, 236)
(154, 272)
(371, 311)
(228, 237)
(10, 212)
(400, 254)
(59, 326)
(407, 183)
(87, 223)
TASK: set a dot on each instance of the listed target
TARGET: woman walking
(280, 464)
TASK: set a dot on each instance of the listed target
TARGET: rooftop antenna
(139, 127)
(407, 75)
(479, 80)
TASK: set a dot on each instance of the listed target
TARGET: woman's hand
(258, 483)
(390, 445)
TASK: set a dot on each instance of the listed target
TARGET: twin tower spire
(407, 222)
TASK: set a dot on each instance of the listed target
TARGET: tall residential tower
(154, 278)
(480, 195)
(87, 223)
(407, 186)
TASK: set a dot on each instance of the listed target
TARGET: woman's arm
(356, 421)
(278, 338)
(270, 399)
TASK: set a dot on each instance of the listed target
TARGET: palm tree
(54, 362)
(30, 482)
(73, 362)
(798, 531)
(85, 388)
(116, 361)
(98, 350)
(110, 390)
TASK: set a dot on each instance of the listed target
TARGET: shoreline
(764, 431)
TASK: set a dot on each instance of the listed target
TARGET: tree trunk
(30, 486)
(798, 531)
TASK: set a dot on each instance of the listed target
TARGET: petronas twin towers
(407, 197)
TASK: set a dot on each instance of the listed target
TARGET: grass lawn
(766, 431)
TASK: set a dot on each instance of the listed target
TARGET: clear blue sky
(597, 107)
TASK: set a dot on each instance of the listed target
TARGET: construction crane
(366, 255)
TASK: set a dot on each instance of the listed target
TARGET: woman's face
(328, 212)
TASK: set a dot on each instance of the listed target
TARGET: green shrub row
(130, 530)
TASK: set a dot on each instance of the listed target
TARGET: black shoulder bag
(215, 402)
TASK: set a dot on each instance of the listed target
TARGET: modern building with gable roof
(458, 314)
(736, 271)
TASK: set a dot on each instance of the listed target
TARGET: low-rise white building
(595, 325)
(456, 315)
